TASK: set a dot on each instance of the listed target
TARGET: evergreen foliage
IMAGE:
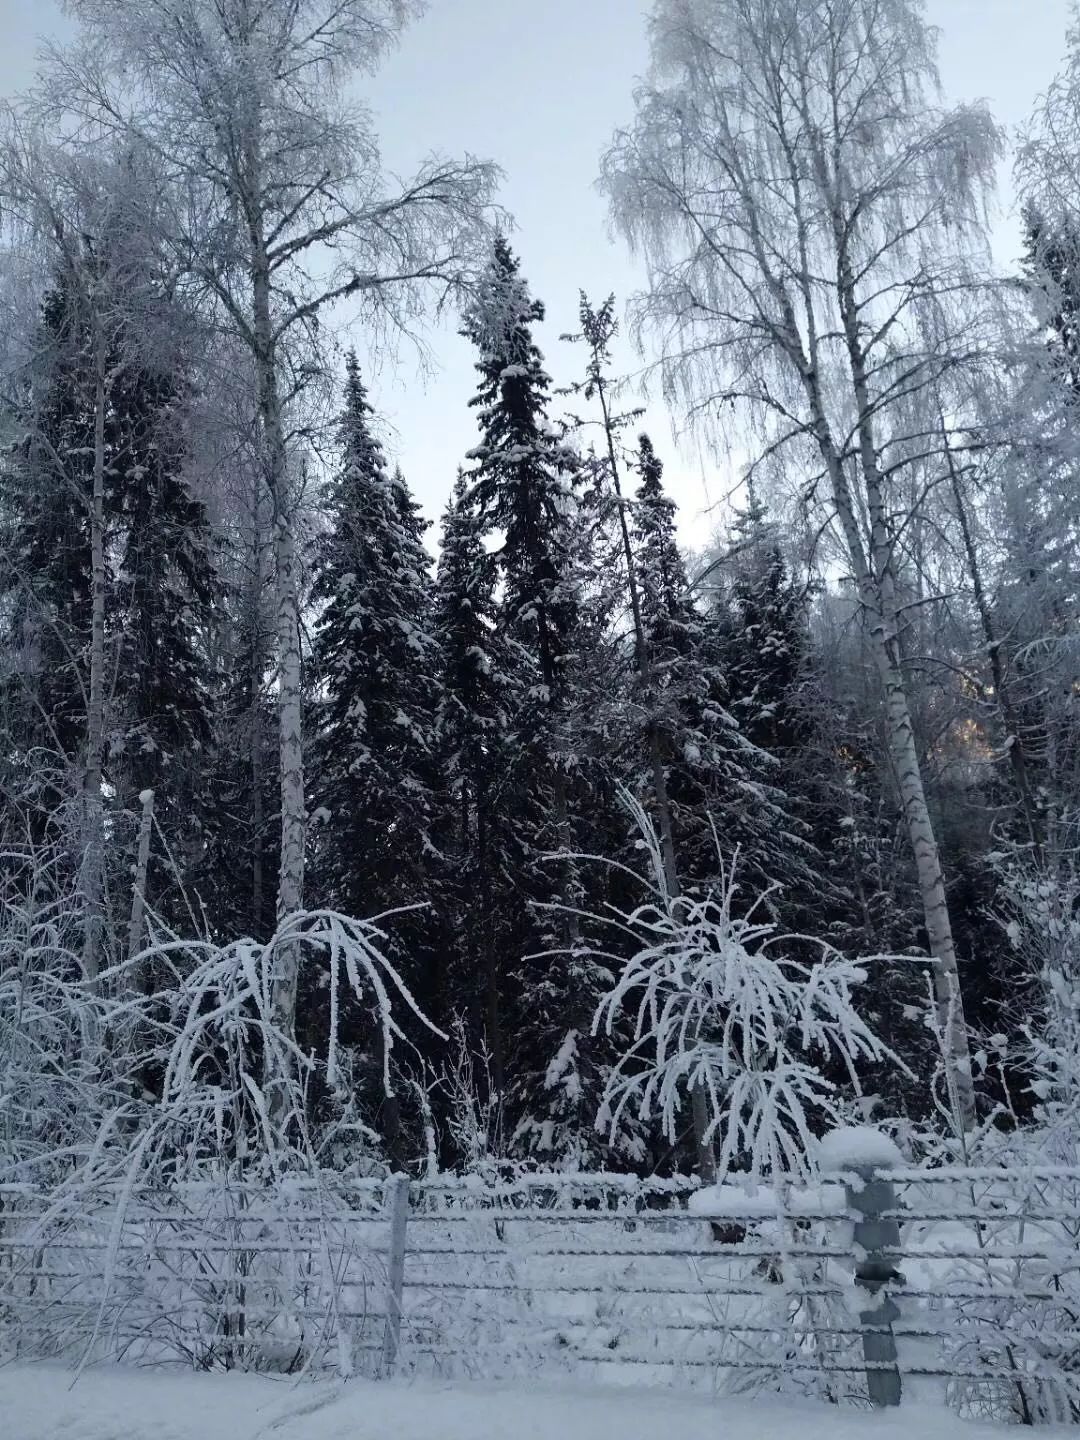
(160, 585)
(374, 667)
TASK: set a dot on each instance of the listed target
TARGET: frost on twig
(719, 1000)
(218, 1041)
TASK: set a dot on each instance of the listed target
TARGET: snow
(850, 1146)
(40, 1403)
(751, 1202)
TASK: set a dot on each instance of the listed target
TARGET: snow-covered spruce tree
(1026, 592)
(371, 753)
(1033, 605)
(759, 618)
(242, 767)
(160, 726)
(657, 744)
(522, 484)
(599, 329)
(811, 224)
(715, 774)
(374, 663)
(86, 331)
(109, 572)
(768, 636)
(282, 211)
(474, 703)
(47, 545)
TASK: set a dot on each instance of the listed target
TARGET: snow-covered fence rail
(616, 1276)
(972, 1284)
(600, 1275)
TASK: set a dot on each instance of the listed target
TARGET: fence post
(877, 1248)
(396, 1203)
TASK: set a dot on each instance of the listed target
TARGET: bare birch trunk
(255, 756)
(904, 754)
(876, 581)
(94, 839)
(290, 717)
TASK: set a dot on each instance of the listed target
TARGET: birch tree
(810, 221)
(281, 211)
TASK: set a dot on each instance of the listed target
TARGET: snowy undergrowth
(202, 1201)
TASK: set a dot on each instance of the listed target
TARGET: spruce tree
(165, 593)
(47, 579)
(760, 624)
(237, 875)
(523, 485)
(471, 738)
(721, 785)
(374, 669)
(375, 695)
(159, 585)
(767, 655)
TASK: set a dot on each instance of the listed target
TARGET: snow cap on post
(858, 1147)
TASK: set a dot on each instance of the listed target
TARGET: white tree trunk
(876, 583)
(290, 718)
(290, 715)
(94, 837)
(256, 664)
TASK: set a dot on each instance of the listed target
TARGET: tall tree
(281, 212)
(375, 670)
(811, 226)
(522, 485)
(160, 727)
(474, 705)
(372, 744)
(109, 568)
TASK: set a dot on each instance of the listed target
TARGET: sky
(538, 86)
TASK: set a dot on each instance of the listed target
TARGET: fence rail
(971, 1277)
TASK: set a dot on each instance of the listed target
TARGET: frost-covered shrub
(284, 1275)
(56, 1083)
(719, 1002)
(171, 1153)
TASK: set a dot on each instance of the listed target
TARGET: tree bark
(290, 717)
(94, 839)
(876, 581)
(284, 982)
(255, 743)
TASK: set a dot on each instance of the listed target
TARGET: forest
(337, 837)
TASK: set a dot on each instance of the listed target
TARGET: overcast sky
(538, 86)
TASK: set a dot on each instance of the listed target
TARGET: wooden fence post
(877, 1249)
(396, 1203)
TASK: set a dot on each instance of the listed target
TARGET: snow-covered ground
(41, 1403)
